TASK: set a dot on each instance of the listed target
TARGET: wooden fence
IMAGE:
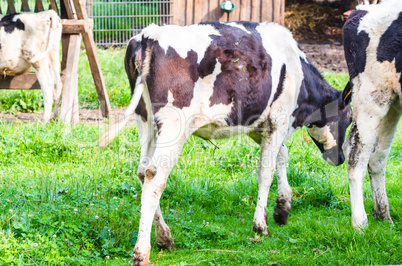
(186, 12)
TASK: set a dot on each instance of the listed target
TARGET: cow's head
(328, 132)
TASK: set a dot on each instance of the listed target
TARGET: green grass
(64, 201)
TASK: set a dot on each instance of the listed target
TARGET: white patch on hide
(323, 135)
(182, 39)
(234, 24)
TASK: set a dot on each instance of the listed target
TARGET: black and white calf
(33, 40)
(373, 50)
(216, 80)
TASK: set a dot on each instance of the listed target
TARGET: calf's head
(328, 132)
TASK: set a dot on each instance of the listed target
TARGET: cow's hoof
(261, 230)
(166, 244)
(383, 214)
(280, 215)
(140, 260)
(360, 223)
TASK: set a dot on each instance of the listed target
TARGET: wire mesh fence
(18, 5)
(116, 21)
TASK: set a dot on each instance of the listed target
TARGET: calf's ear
(346, 95)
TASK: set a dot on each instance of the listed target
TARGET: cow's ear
(347, 95)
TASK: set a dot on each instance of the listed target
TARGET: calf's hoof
(140, 260)
(166, 244)
(359, 223)
(383, 215)
(281, 211)
(261, 230)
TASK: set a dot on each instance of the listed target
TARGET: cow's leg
(378, 163)
(359, 146)
(57, 84)
(45, 80)
(270, 146)
(284, 199)
(161, 163)
(163, 236)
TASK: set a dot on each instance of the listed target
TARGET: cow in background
(373, 50)
(217, 80)
(33, 40)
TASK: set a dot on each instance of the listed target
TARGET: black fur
(355, 44)
(390, 46)
(9, 25)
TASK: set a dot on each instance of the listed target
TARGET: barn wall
(186, 12)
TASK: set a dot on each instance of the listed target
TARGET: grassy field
(63, 201)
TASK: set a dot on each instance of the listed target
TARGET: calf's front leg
(284, 199)
(266, 168)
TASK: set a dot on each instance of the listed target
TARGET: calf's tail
(133, 61)
(54, 35)
(111, 133)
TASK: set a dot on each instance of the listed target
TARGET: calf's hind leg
(45, 79)
(163, 236)
(359, 146)
(156, 175)
(378, 163)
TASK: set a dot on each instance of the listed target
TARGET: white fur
(37, 46)
(182, 39)
(237, 25)
(375, 121)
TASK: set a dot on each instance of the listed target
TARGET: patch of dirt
(318, 29)
(89, 116)
(326, 57)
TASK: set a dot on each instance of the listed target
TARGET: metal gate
(116, 21)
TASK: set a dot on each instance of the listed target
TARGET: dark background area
(317, 21)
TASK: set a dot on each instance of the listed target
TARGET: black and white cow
(216, 80)
(33, 40)
(373, 51)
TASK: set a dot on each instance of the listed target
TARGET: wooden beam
(94, 63)
(70, 86)
(245, 10)
(69, 8)
(267, 10)
(198, 10)
(25, 6)
(178, 9)
(53, 5)
(256, 10)
(28, 81)
(38, 6)
(189, 12)
(11, 7)
(76, 26)
(235, 14)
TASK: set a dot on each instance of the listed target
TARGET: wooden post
(11, 7)
(25, 6)
(38, 6)
(94, 63)
(70, 88)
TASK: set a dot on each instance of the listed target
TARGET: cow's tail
(133, 62)
(111, 133)
(54, 34)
